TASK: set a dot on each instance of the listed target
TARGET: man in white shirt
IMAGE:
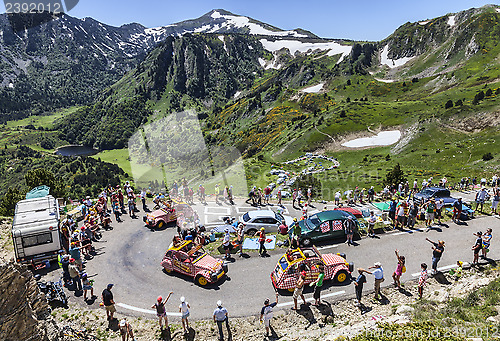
(379, 277)
(481, 198)
(226, 243)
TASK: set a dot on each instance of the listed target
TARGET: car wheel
(160, 224)
(167, 270)
(252, 232)
(341, 276)
(201, 281)
(291, 289)
(306, 242)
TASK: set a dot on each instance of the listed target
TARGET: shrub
(487, 157)
(448, 104)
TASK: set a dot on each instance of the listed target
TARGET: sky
(356, 19)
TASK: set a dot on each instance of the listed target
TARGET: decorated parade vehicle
(160, 217)
(286, 273)
(190, 259)
(323, 226)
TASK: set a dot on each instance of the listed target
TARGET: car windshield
(279, 217)
(283, 263)
(312, 222)
(443, 193)
(246, 217)
(427, 191)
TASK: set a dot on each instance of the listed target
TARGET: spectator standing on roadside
(220, 316)
(349, 227)
(309, 195)
(430, 210)
(267, 195)
(266, 313)
(184, 310)
(76, 255)
(378, 273)
(400, 269)
(412, 215)
(437, 252)
(126, 330)
(65, 267)
(241, 237)
(226, 243)
(495, 200)
(372, 219)
(392, 211)
(422, 280)
(400, 220)
(87, 285)
(457, 210)
(481, 198)
(337, 198)
(371, 194)
(486, 242)
(439, 210)
(161, 312)
(74, 273)
(478, 245)
(108, 302)
(318, 284)
(299, 287)
(143, 199)
(358, 286)
(279, 196)
(262, 240)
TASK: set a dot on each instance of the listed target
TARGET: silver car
(267, 219)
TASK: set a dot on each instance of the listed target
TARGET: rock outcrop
(24, 312)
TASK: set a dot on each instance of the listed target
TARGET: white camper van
(35, 230)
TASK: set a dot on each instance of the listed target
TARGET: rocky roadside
(332, 321)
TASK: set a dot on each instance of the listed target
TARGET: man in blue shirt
(221, 316)
(392, 210)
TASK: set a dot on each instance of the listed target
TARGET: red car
(190, 259)
(286, 273)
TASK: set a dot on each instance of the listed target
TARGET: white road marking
(147, 311)
(225, 210)
(327, 247)
(443, 268)
(312, 298)
(407, 232)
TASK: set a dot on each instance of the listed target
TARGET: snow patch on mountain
(295, 46)
(424, 22)
(314, 89)
(241, 22)
(385, 80)
(451, 20)
(392, 63)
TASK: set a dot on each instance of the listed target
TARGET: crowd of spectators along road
(403, 213)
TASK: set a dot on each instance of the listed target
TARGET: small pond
(76, 151)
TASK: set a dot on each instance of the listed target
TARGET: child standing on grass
(422, 280)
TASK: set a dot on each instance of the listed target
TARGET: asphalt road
(129, 256)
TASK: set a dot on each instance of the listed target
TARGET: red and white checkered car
(190, 259)
(286, 272)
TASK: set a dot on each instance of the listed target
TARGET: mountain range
(271, 94)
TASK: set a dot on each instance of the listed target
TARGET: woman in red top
(262, 240)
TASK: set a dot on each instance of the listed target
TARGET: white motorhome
(35, 230)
